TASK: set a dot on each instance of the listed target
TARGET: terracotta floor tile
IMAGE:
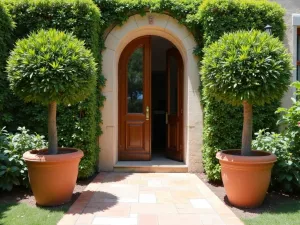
(209, 219)
(113, 210)
(115, 221)
(85, 219)
(148, 220)
(179, 220)
(231, 220)
(186, 194)
(68, 219)
(165, 199)
(144, 208)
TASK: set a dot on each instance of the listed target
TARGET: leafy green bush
(218, 17)
(13, 170)
(51, 67)
(290, 118)
(224, 16)
(6, 31)
(286, 146)
(9, 172)
(247, 66)
(208, 24)
(78, 124)
(286, 171)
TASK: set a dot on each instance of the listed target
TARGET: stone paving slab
(148, 199)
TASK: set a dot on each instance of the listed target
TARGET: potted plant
(52, 67)
(246, 68)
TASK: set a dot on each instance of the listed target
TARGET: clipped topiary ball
(51, 66)
(247, 66)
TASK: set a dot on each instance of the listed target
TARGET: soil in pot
(53, 177)
(246, 178)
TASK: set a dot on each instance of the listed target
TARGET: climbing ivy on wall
(222, 122)
(207, 20)
(116, 12)
(6, 32)
(78, 124)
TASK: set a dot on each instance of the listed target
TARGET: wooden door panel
(134, 101)
(135, 136)
(174, 149)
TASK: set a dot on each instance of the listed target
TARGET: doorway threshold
(158, 164)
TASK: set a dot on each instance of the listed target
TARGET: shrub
(246, 68)
(285, 173)
(224, 16)
(207, 23)
(286, 146)
(13, 170)
(6, 32)
(78, 124)
(290, 118)
(216, 18)
(51, 67)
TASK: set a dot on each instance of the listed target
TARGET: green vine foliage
(51, 66)
(78, 124)
(208, 20)
(222, 122)
(6, 32)
(247, 66)
(116, 12)
(286, 146)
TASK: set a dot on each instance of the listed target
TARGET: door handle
(147, 113)
(167, 119)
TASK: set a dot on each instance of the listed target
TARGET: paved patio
(148, 199)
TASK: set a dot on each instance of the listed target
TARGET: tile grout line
(223, 204)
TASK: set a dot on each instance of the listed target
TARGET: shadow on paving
(110, 177)
(273, 203)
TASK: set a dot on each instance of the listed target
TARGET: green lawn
(284, 214)
(23, 214)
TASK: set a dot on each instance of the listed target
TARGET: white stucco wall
(117, 39)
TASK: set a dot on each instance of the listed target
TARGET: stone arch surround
(167, 27)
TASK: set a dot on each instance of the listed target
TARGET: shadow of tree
(273, 203)
(14, 196)
(92, 202)
(109, 177)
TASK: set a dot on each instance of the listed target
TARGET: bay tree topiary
(51, 67)
(246, 68)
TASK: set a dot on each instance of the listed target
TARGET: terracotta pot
(246, 178)
(53, 177)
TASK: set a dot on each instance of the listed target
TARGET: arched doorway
(150, 101)
(117, 39)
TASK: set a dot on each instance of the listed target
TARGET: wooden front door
(135, 101)
(174, 114)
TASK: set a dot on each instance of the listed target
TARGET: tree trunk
(52, 131)
(247, 129)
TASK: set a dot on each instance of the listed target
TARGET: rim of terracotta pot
(32, 155)
(259, 157)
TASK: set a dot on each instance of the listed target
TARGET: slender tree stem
(52, 131)
(247, 129)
